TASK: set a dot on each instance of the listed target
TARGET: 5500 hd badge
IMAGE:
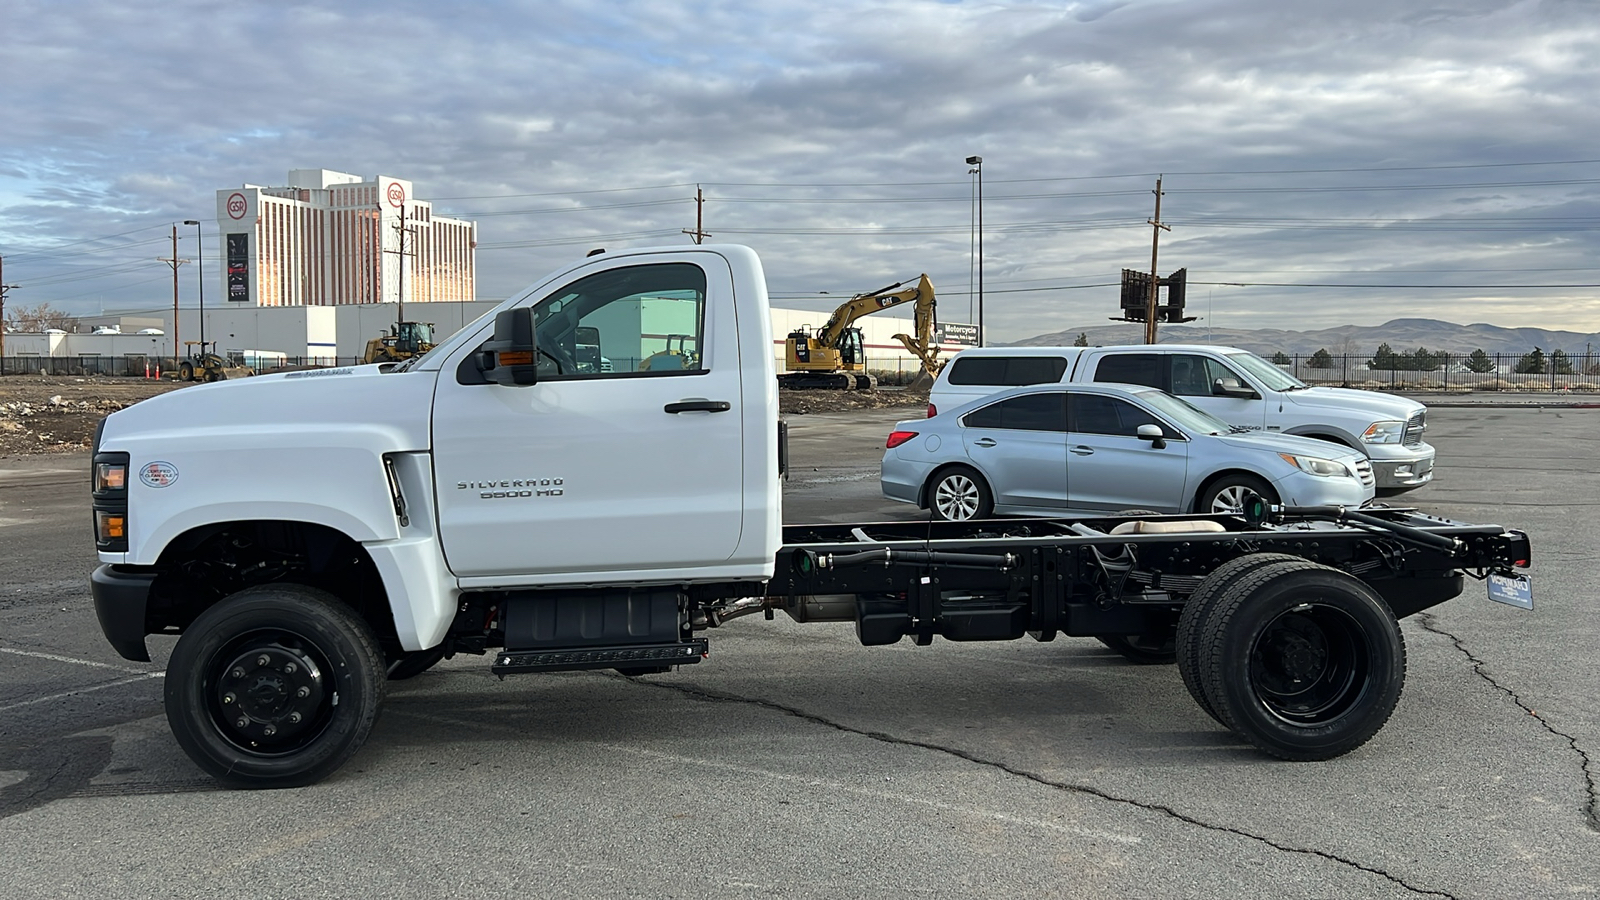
(504, 490)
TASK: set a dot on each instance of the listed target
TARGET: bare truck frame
(1284, 628)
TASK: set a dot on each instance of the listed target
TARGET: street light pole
(976, 162)
(200, 269)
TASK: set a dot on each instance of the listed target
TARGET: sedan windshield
(1183, 414)
(1270, 375)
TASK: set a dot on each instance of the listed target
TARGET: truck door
(1111, 468)
(1196, 379)
(634, 465)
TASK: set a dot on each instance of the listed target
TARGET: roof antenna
(595, 252)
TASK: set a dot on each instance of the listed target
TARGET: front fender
(341, 485)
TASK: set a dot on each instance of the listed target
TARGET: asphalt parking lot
(794, 762)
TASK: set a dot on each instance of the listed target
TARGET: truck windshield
(1268, 374)
(1183, 414)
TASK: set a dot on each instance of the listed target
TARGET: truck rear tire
(1191, 622)
(275, 686)
(1306, 663)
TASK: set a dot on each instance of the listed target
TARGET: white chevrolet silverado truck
(590, 478)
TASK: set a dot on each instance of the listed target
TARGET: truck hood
(390, 412)
(1288, 443)
(1380, 405)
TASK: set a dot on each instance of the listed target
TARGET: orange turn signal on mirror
(514, 358)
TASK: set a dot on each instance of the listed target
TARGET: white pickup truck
(309, 535)
(1234, 385)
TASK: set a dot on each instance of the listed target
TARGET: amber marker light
(110, 526)
(110, 477)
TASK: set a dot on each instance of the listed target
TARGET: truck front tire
(275, 686)
(1304, 661)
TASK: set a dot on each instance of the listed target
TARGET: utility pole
(400, 296)
(175, 262)
(4, 289)
(699, 233)
(1155, 280)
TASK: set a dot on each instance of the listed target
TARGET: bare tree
(35, 319)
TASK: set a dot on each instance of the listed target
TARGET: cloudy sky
(1324, 163)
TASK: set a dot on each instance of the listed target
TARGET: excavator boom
(834, 356)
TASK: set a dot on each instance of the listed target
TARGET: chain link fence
(1448, 372)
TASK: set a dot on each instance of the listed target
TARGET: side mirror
(1230, 387)
(1153, 434)
(511, 357)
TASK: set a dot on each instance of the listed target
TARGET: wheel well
(922, 492)
(1330, 438)
(1218, 476)
(211, 562)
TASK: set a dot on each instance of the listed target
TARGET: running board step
(559, 659)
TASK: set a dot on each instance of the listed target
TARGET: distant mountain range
(1402, 335)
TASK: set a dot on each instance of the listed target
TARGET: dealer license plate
(1515, 590)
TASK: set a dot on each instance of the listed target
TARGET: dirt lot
(57, 414)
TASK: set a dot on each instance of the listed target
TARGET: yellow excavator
(834, 358)
(405, 340)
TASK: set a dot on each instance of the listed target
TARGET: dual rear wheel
(1304, 661)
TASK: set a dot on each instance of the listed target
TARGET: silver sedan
(1052, 450)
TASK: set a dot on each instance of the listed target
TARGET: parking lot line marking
(99, 687)
(67, 659)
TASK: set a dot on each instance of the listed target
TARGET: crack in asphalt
(1038, 779)
(1591, 810)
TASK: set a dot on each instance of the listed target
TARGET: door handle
(698, 405)
(984, 442)
(1083, 451)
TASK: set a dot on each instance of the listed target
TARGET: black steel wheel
(185, 371)
(960, 494)
(1229, 493)
(275, 686)
(1306, 663)
(414, 663)
(1159, 649)
(1191, 622)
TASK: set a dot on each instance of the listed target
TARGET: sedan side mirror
(1230, 387)
(1152, 433)
(511, 357)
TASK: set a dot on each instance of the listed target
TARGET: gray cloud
(831, 138)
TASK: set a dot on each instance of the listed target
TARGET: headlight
(1384, 433)
(1311, 465)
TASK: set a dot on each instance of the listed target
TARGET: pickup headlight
(1311, 465)
(1384, 433)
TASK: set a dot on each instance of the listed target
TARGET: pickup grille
(1364, 471)
(1415, 426)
